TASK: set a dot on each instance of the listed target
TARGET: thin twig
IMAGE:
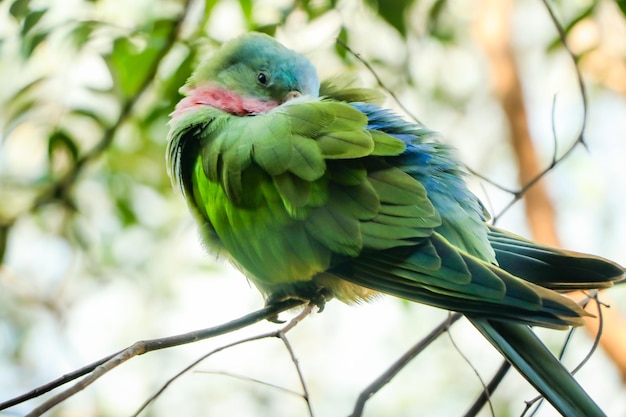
(378, 79)
(250, 379)
(485, 396)
(399, 364)
(134, 350)
(580, 139)
(100, 367)
(154, 396)
(278, 333)
(56, 383)
(555, 140)
(283, 336)
(486, 393)
(596, 340)
(490, 181)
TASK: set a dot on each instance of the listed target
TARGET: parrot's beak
(291, 95)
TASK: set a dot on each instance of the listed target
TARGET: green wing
(308, 191)
(289, 193)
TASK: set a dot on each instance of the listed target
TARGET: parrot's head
(249, 75)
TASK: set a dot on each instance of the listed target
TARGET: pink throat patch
(224, 100)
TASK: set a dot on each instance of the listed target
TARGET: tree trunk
(491, 30)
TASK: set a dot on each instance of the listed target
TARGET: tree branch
(281, 333)
(485, 396)
(100, 367)
(399, 364)
(580, 139)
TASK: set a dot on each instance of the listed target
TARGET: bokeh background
(97, 251)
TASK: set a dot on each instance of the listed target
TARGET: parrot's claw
(275, 319)
(318, 298)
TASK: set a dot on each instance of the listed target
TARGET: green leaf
(133, 64)
(84, 112)
(127, 66)
(585, 13)
(21, 102)
(16, 110)
(269, 29)
(60, 140)
(209, 5)
(31, 41)
(246, 9)
(622, 6)
(339, 48)
(440, 25)
(170, 83)
(4, 236)
(31, 20)
(392, 11)
(125, 211)
(81, 33)
(27, 89)
(19, 8)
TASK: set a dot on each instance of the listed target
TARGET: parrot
(315, 191)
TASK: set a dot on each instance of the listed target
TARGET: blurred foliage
(86, 94)
(119, 124)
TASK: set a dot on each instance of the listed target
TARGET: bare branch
(279, 333)
(378, 79)
(250, 379)
(100, 367)
(283, 337)
(580, 139)
(399, 364)
(485, 396)
(486, 393)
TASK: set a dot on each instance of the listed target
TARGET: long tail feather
(553, 268)
(536, 363)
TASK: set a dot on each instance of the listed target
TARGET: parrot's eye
(262, 78)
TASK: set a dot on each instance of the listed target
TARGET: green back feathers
(309, 168)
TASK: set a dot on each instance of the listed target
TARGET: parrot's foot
(320, 298)
(315, 295)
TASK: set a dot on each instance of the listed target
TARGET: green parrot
(316, 192)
